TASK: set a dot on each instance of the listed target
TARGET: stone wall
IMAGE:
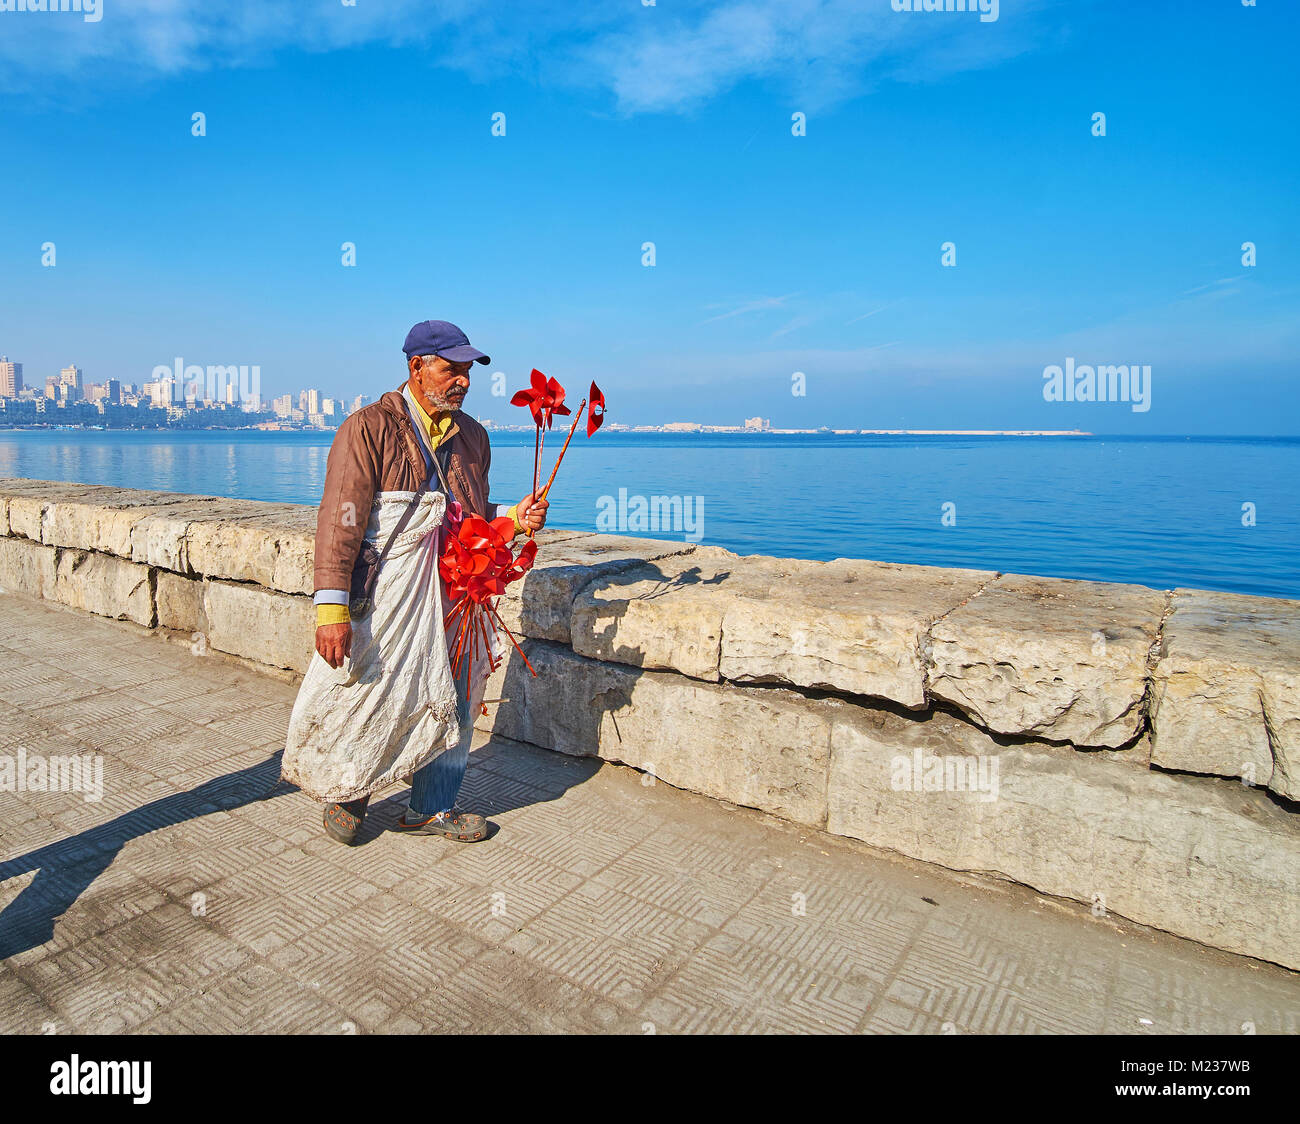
(1134, 749)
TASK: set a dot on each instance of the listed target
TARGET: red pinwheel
(595, 415)
(597, 403)
(544, 399)
(477, 564)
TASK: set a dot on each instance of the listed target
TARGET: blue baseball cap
(438, 337)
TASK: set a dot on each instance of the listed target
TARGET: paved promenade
(200, 894)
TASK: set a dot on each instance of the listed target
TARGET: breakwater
(1134, 749)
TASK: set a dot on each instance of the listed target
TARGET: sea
(1204, 512)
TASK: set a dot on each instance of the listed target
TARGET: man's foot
(463, 827)
(343, 821)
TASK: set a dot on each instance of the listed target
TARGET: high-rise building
(11, 377)
(114, 389)
(283, 406)
(313, 401)
(71, 377)
(163, 392)
(359, 401)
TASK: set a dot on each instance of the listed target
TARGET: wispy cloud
(792, 326)
(1222, 285)
(762, 304)
(873, 312)
(660, 58)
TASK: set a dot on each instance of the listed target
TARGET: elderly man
(379, 704)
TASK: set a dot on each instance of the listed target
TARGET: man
(392, 700)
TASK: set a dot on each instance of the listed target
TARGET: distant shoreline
(691, 430)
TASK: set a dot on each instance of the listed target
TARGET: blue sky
(670, 124)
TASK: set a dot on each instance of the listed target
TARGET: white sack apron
(391, 707)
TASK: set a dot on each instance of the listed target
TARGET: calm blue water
(1160, 512)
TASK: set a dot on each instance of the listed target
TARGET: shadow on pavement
(66, 869)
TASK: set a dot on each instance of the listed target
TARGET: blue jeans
(435, 785)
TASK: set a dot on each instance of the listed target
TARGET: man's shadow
(65, 869)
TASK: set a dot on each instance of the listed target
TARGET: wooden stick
(513, 641)
(537, 454)
(577, 418)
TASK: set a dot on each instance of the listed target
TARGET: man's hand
(334, 643)
(532, 513)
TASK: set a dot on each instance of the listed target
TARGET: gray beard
(446, 405)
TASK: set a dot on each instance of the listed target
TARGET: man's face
(441, 381)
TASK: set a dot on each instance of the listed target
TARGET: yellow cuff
(332, 614)
(514, 514)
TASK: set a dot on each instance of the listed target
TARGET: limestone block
(200, 538)
(27, 567)
(761, 748)
(104, 584)
(847, 625)
(260, 624)
(27, 500)
(180, 603)
(1211, 860)
(272, 545)
(666, 614)
(103, 520)
(1050, 658)
(1226, 689)
(541, 604)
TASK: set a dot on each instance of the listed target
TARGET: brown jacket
(376, 450)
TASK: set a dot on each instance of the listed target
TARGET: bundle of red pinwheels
(477, 561)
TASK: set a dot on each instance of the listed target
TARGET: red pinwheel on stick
(544, 399)
(595, 415)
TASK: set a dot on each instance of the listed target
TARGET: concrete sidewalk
(201, 895)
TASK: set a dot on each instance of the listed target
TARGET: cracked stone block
(1226, 689)
(259, 624)
(667, 614)
(270, 544)
(180, 603)
(27, 567)
(1210, 860)
(29, 499)
(845, 625)
(103, 584)
(104, 520)
(540, 605)
(685, 732)
(1049, 658)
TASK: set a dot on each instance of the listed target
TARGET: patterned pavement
(201, 895)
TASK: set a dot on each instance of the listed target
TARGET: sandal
(463, 827)
(343, 821)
